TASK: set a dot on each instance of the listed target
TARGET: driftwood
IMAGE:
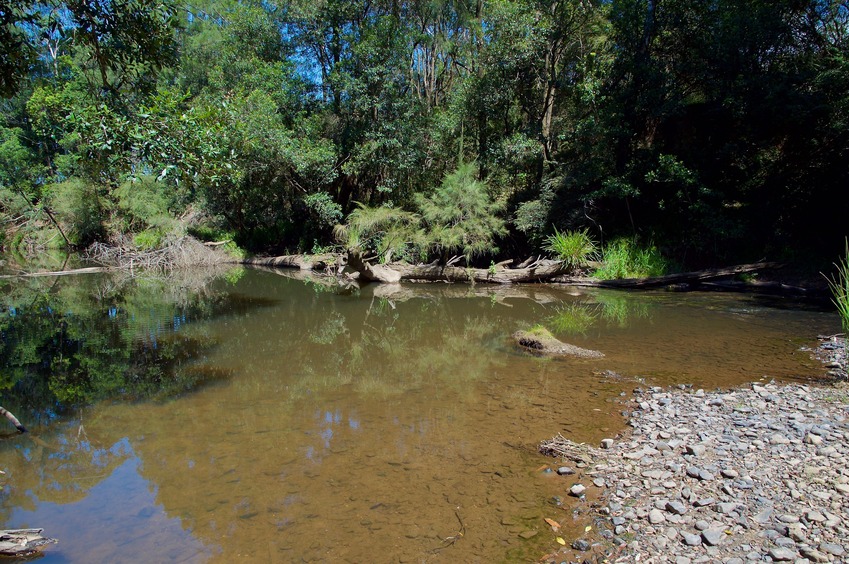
(562, 447)
(544, 271)
(695, 277)
(89, 270)
(14, 420)
(301, 262)
(23, 542)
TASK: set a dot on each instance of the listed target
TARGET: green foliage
(149, 239)
(573, 319)
(626, 258)
(143, 202)
(274, 119)
(78, 208)
(839, 284)
(384, 230)
(461, 216)
(574, 248)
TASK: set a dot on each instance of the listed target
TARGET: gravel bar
(756, 474)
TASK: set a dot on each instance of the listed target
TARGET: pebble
(782, 554)
(713, 537)
(676, 507)
(577, 490)
(781, 456)
(690, 539)
(565, 471)
(832, 548)
(655, 517)
(582, 545)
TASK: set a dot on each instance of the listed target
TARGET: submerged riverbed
(251, 415)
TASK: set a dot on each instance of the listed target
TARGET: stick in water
(13, 419)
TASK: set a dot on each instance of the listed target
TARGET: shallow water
(252, 416)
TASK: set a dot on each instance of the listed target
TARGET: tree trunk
(302, 262)
(436, 273)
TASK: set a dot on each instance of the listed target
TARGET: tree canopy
(717, 130)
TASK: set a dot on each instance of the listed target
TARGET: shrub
(142, 200)
(574, 248)
(839, 284)
(78, 208)
(624, 258)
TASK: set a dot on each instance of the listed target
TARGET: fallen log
(88, 270)
(301, 262)
(14, 420)
(391, 273)
(695, 277)
(23, 542)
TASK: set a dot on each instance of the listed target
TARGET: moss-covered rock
(539, 340)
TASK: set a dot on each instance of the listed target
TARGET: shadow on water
(367, 425)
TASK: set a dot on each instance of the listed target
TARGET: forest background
(715, 131)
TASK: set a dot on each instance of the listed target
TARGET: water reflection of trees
(70, 341)
(615, 310)
(58, 467)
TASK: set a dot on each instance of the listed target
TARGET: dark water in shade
(249, 416)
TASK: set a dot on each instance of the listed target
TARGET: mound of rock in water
(540, 341)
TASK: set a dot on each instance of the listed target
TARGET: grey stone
(704, 502)
(813, 554)
(713, 537)
(815, 517)
(779, 554)
(763, 517)
(691, 539)
(729, 473)
(831, 548)
(577, 490)
(785, 542)
(565, 471)
(606, 443)
(726, 508)
(655, 517)
(581, 544)
(696, 450)
(676, 507)
(701, 525)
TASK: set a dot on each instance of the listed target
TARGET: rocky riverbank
(754, 474)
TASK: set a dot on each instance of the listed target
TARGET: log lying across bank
(542, 272)
(301, 262)
(539, 271)
(695, 277)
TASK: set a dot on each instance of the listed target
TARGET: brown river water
(325, 426)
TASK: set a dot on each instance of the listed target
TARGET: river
(251, 415)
